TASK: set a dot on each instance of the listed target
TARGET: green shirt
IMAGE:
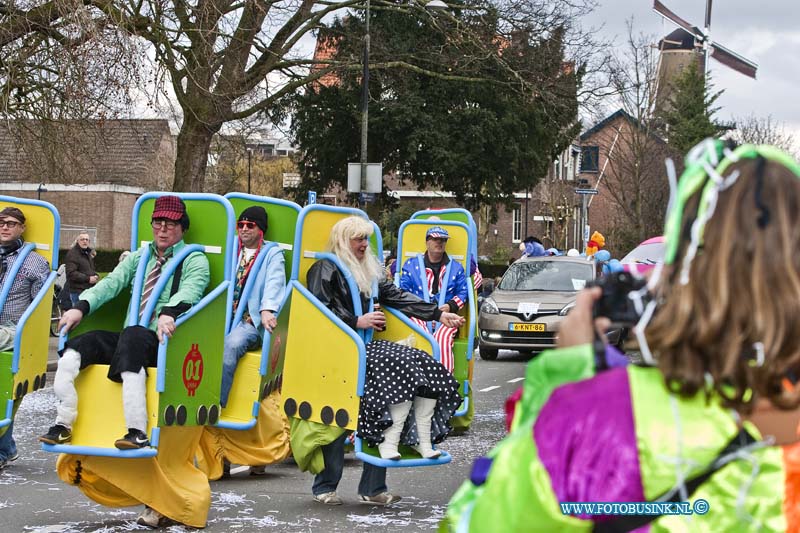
(194, 280)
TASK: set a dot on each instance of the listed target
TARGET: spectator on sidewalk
(81, 273)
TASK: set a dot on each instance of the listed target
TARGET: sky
(764, 31)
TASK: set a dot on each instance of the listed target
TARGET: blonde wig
(366, 271)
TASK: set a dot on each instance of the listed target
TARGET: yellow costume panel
(265, 443)
(169, 482)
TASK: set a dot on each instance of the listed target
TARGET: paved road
(33, 498)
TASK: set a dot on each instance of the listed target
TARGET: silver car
(527, 307)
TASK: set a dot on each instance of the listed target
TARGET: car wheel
(487, 354)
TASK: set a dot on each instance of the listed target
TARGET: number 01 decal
(192, 370)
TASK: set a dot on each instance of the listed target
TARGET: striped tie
(152, 279)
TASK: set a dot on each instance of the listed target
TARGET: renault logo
(528, 316)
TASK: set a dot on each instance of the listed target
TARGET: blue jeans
(239, 341)
(8, 448)
(373, 478)
(74, 297)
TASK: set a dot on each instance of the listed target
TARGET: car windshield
(546, 276)
(646, 253)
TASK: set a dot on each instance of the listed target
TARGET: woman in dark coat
(397, 377)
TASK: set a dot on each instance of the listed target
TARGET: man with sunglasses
(267, 442)
(24, 288)
(133, 349)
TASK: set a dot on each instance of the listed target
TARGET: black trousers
(130, 350)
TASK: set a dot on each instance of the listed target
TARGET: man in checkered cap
(25, 285)
(434, 277)
(129, 352)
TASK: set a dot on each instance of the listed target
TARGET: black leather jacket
(326, 282)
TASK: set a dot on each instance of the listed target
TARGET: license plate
(526, 327)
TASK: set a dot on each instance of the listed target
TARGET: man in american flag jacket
(434, 277)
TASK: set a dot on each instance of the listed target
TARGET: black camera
(617, 303)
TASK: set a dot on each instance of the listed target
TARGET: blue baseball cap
(437, 232)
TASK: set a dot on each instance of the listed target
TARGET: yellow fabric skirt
(265, 443)
(169, 482)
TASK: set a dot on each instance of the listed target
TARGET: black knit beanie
(257, 214)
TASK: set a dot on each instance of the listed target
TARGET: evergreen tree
(690, 116)
(482, 140)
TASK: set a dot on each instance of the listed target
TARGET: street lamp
(249, 159)
(39, 190)
(432, 5)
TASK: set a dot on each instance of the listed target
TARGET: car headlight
(567, 308)
(489, 307)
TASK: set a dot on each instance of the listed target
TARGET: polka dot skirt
(395, 374)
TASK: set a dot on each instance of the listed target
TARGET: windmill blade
(708, 14)
(731, 59)
(664, 11)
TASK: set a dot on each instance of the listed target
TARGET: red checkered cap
(169, 207)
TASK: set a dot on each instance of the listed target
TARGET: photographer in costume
(710, 417)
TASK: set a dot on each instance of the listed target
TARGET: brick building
(623, 159)
(92, 171)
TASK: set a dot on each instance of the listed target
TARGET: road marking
(515, 380)
(487, 389)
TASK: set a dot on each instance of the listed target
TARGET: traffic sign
(312, 197)
(585, 191)
(365, 197)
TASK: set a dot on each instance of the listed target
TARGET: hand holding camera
(623, 298)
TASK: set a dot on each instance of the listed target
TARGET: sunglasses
(245, 224)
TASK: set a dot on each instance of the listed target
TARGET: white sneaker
(152, 518)
(328, 498)
(384, 498)
(149, 517)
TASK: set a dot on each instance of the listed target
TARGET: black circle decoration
(43, 381)
(36, 383)
(290, 407)
(202, 415)
(213, 414)
(305, 410)
(268, 388)
(342, 418)
(181, 415)
(326, 415)
(169, 415)
(25, 387)
(19, 390)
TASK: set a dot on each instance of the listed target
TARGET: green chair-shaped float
(23, 368)
(184, 388)
(260, 372)
(325, 389)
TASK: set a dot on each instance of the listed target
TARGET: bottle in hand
(377, 307)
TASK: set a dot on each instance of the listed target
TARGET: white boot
(423, 412)
(134, 399)
(391, 435)
(69, 366)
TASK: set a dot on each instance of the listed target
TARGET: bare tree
(227, 60)
(764, 130)
(633, 177)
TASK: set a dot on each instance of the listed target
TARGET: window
(516, 224)
(590, 158)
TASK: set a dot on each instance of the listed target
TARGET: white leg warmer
(423, 412)
(134, 399)
(64, 386)
(391, 435)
